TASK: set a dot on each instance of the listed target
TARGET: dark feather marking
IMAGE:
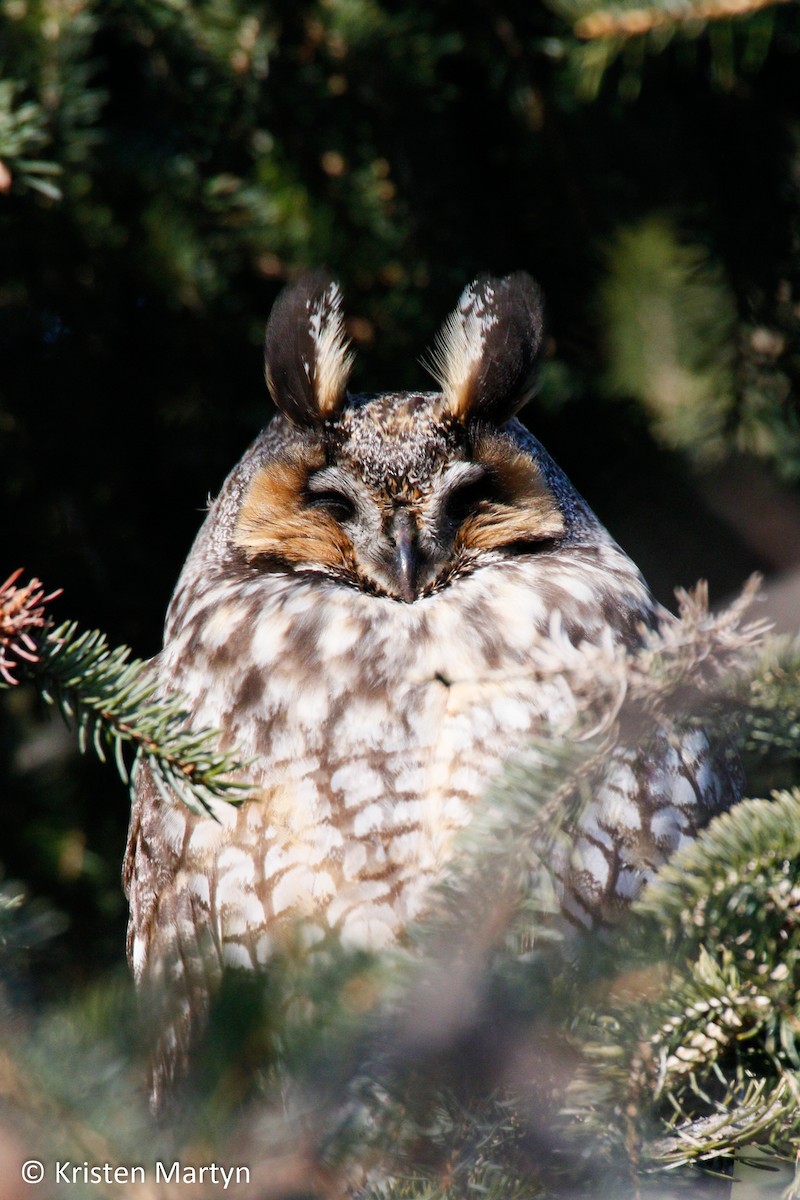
(489, 350)
(307, 382)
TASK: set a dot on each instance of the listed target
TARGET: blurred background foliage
(166, 166)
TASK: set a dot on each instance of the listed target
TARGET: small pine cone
(22, 614)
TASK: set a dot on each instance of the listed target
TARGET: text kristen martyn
(67, 1171)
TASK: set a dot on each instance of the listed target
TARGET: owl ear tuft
(486, 355)
(306, 358)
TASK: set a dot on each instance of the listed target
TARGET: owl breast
(374, 728)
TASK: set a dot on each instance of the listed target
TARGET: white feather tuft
(460, 345)
(333, 360)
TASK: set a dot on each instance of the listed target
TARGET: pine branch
(771, 718)
(711, 384)
(703, 1037)
(628, 22)
(670, 335)
(733, 859)
(754, 1119)
(113, 701)
(23, 132)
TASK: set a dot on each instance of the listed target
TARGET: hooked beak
(406, 560)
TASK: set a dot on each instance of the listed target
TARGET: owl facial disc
(393, 501)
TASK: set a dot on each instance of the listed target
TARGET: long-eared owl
(360, 616)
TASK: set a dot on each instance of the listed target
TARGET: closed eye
(463, 501)
(337, 504)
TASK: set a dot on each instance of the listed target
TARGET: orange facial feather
(275, 520)
(528, 510)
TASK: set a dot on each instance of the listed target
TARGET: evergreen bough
(112, 701)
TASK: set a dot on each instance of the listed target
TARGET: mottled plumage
(366, 613)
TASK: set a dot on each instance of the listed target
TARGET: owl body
(374, 614)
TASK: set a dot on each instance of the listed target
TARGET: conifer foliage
(110, 699)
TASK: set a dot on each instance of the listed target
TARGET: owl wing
(650, 799)
(171, 944)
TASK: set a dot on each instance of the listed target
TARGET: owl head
(400, 494)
